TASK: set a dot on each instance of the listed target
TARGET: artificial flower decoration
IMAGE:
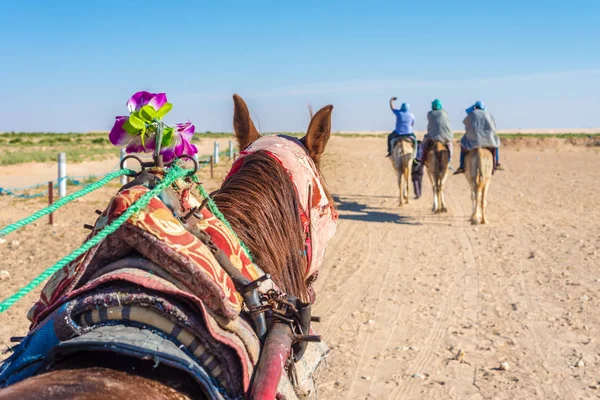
(140, 130)
(179, 143)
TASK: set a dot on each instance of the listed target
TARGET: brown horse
(437, 171)
(479, 165)
(261, 205)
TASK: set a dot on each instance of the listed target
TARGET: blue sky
(72, 65)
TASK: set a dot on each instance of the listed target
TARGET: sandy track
(403, 290)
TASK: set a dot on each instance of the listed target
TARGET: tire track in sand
(509, 297)
(349, 228)
(438, 331)
(473, 257)
(360, 276)
(381, 314)
(383, 278)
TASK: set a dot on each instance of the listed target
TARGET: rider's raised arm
(392, 103)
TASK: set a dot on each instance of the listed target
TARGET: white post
(231, 150)
(62, 175)
(216, 153)
(122, 156)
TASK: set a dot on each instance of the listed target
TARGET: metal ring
(139, 160)
(194, 161)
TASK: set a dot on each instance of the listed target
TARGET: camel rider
(405, 122)
(417, 173)
(438, 130)
(480, 131)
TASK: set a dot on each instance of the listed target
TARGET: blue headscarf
(436, 105)
(404, 107)
(478, 103)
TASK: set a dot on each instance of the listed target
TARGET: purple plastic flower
(140, 99)
(185, 131)
(180, 144)
(183, 141)
(135, 145)
(118, 135)
(133, 142)
(138, 131)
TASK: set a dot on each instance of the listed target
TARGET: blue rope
(28, 187)
(8, 192)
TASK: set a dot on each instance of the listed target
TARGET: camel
(402, 154)
(437, 170)
(479, 164)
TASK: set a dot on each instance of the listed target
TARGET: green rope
(47, 210)
(217, 213)
(174, 174)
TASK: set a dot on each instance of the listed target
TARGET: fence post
(62, 175)
(231, 150)
(122, 156)
(216, 153)
(211, 166)
(50, 201)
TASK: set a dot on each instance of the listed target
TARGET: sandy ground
(402, 291)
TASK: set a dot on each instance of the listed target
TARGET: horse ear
(245, 131)
(318, 133)
(310, 111)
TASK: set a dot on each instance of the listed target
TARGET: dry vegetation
(18, 148)
(25, 147)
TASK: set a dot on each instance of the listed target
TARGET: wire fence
(71, 181)
(80, 180)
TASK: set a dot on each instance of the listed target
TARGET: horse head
(281, 174)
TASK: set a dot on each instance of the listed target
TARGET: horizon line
(528, 131)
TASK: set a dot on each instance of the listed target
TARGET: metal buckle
(296, 314)
(155, 163)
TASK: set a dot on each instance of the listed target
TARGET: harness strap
(242, 284)
(249, 290)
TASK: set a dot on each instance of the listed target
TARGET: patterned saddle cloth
(152, 273)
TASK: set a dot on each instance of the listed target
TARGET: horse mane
(260, 203)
